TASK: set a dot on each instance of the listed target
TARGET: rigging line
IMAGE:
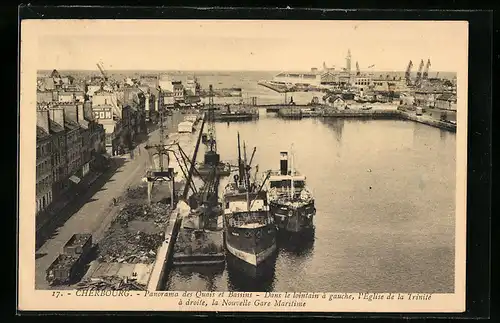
(185, 157)
(192, 186)
(195, 153)
(253, 154)
(260, 188)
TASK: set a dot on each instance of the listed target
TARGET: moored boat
(250, 232)
(291, 203)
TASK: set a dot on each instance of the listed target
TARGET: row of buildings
(121, 110)
(79, 126)
(69, 144)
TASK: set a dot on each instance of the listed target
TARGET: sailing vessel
(291, 203)
(250, 232)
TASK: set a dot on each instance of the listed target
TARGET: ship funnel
(284, 163)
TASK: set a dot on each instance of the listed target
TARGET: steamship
(249, 229)
(291, 203)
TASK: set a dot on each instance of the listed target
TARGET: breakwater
(298, 113)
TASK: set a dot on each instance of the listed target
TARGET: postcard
(243, 165)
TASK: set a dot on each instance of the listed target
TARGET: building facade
(71, 96)
(59, 161)
(425, 97)
(44, 177)
(178, 91)
(74, 146)
(103, 115)
(339, 104)
(46, 96)
(292, 78)
(446, 101)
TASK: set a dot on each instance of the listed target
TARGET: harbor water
(385, 199)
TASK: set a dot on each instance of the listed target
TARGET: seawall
(164, 254)
(297, 113)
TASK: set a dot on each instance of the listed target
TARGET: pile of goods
(193, 242)
(158, 212)
(123, 245)
(139, 192)
(110, 283)
(131, 248)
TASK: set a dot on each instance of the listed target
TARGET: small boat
(290, 201)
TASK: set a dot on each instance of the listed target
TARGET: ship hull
(244, 275)
(293, 219)
(253, 246)
(221, 170)
(254, 259)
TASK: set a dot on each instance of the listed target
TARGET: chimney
(42, 119)
(146, 107)
(71, 113)
(56, 114)
(284, 163)
(87, 111)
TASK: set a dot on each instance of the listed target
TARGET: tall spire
(348, 61)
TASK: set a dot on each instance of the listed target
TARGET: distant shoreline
(203, 72)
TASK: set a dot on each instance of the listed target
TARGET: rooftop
(70, 124)
(71, 92)
(55, 127)
(101, 106)
(102, 91)
(447, 97)
(41, 133)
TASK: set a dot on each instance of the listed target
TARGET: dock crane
(104, 74)
(408, 73)
(425, 76)
(116, 109)
(159, 173)
(418, 80)
(211, 122)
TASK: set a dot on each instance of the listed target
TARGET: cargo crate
(78, 244)
(63, 269)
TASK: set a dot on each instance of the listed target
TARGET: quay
(283, 88)
(374, 113)
(164, 254)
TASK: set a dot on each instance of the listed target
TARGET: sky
(272, 45)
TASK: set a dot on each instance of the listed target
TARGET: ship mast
(292, 190)
(240, 166)
(247, 186)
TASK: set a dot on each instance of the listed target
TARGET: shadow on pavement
(50, 228)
